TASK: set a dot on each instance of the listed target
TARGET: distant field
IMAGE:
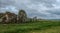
(35, 27)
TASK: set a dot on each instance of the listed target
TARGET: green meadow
(43, 26)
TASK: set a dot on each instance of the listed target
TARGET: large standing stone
(22, 16)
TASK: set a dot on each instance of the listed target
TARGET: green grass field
(35, 27)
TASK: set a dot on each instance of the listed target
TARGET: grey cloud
(47, 3)
(39, 8)
(55, 11)
(4, 3)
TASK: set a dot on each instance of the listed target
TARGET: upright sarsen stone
(22, 16)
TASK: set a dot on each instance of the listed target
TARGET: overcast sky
(48, 9)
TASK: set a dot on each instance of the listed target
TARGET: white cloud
(10, 9)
